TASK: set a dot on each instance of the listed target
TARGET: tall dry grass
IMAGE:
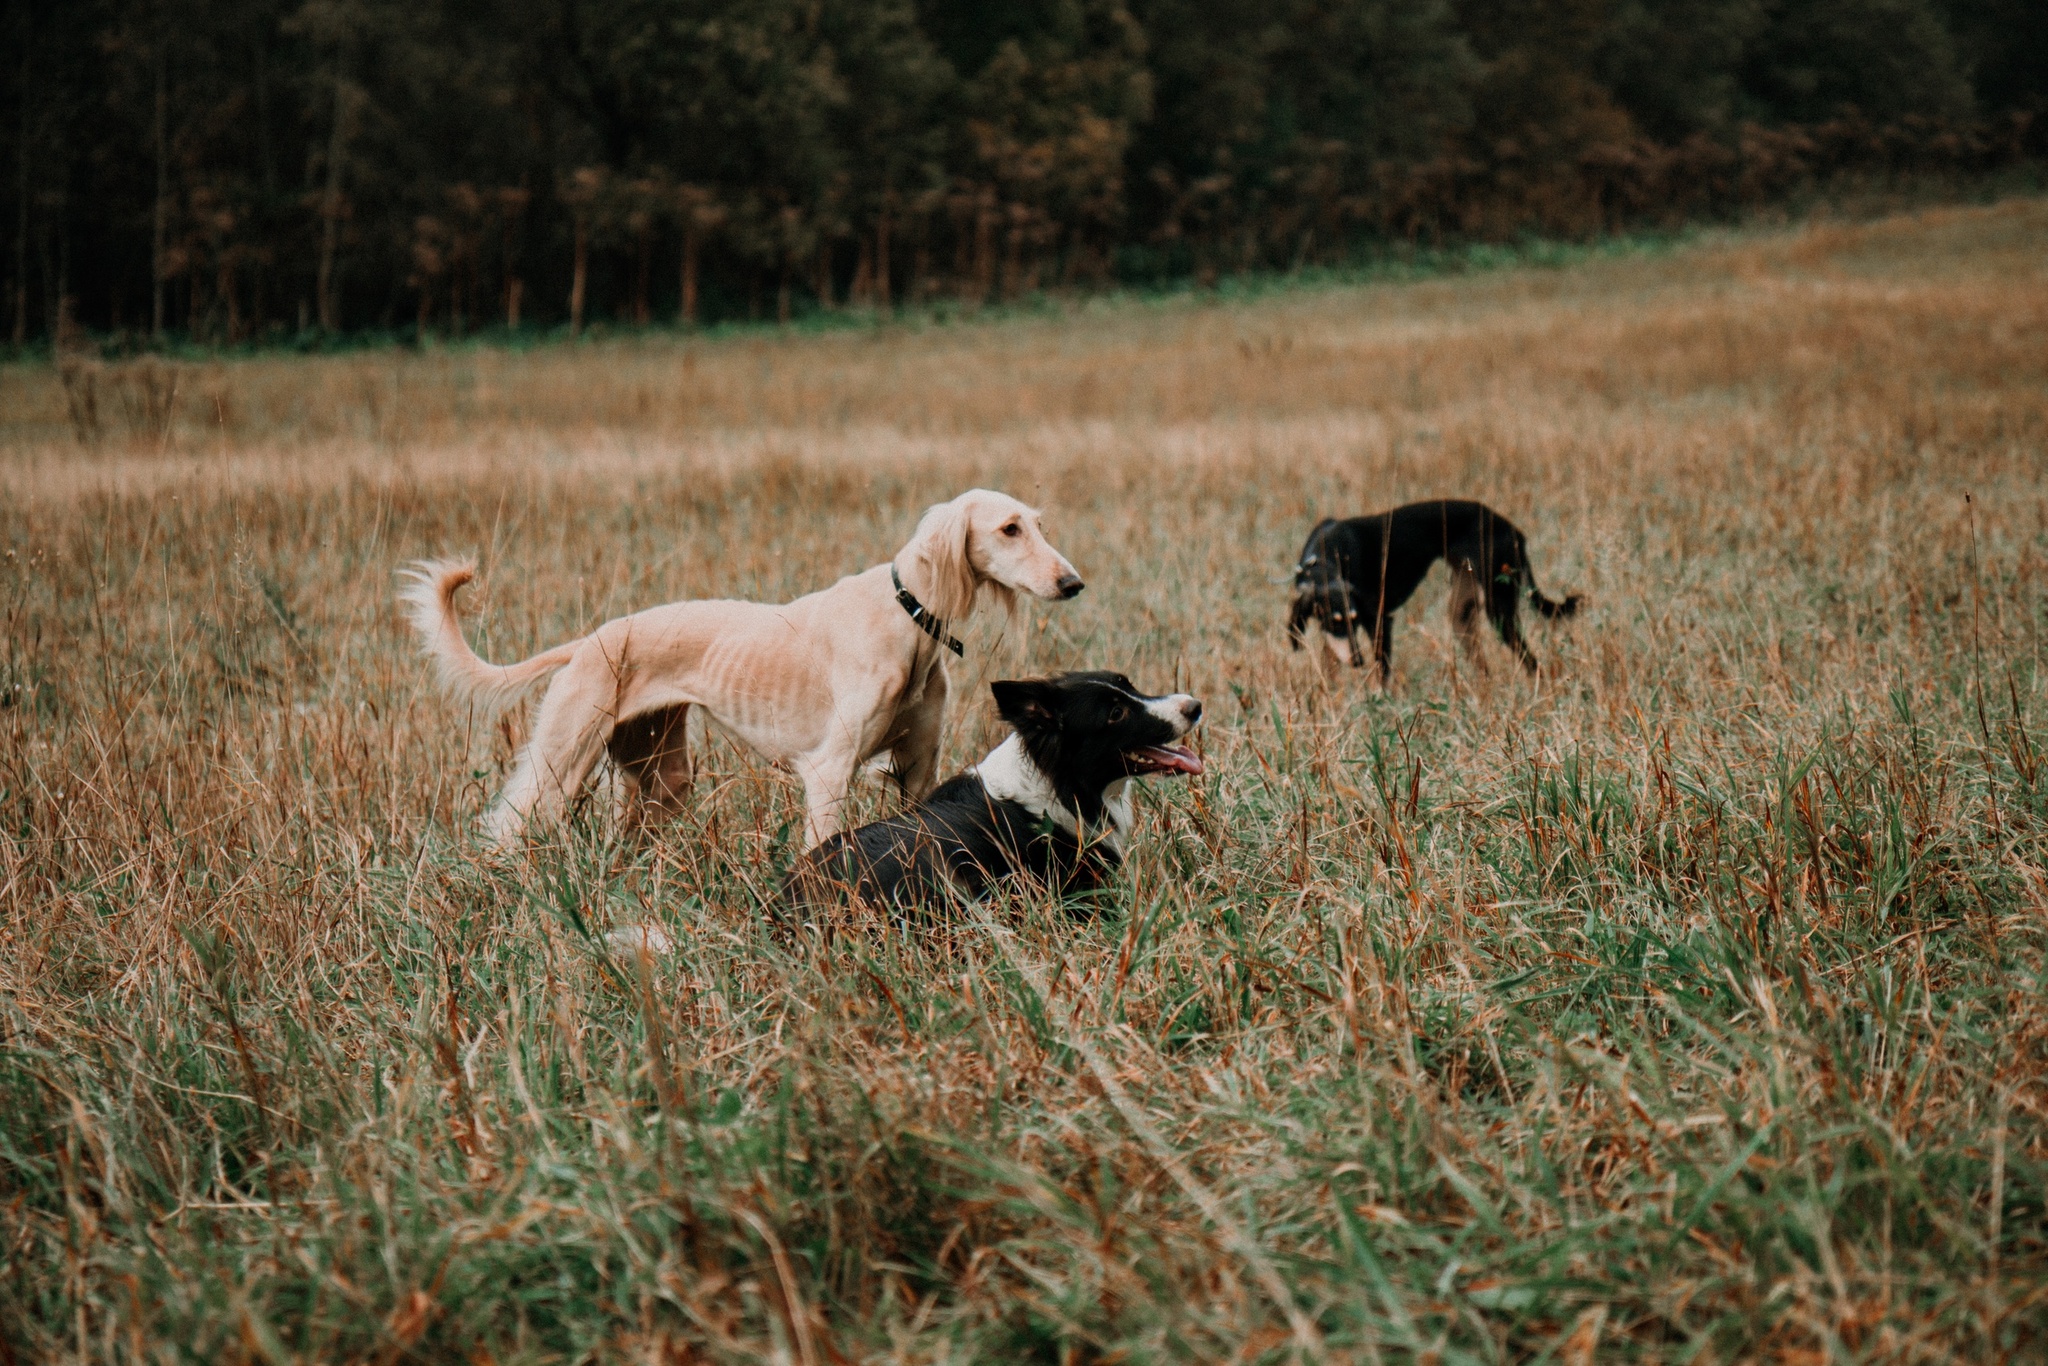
(1688, 1005)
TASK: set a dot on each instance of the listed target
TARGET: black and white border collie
(1051, 805)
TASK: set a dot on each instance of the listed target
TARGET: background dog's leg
(632, 796)
(674, 773)
(1383, 650)
(1502, 599)
(1468, 600)
(627, 746)
(1297, 622)
(652, 751)
(914, 760)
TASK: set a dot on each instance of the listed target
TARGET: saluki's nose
(1192, 709)
(1069, 584)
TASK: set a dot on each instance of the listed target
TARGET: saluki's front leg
(914, 759)
(827, 776)
(827, 771)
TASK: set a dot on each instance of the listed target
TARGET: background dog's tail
(1549, 607)
(429, 599)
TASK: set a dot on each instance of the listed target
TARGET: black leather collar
(921, 614)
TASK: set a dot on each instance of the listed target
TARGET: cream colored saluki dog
(822, 685)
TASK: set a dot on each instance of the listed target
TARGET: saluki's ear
(942, 542)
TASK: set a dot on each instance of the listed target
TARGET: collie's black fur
(1353, 575)
(1048, 805)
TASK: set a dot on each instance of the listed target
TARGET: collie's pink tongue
(1169, 759)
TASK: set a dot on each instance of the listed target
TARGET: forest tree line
(232, 170)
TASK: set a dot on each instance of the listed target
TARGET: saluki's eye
(1012, 529)
(1117, 715)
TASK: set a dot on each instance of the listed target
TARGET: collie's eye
(1012, 529)
(1117, 715)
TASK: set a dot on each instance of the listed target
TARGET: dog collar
(921, 614)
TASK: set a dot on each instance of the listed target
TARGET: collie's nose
(1069, 585)
(1191, 708)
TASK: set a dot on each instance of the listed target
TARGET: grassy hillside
(1690, 1004)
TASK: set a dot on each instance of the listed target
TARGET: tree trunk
(861, 289)
(330, 203)
(580, 277)
(984, 250)
(514, 286)
(21, 209)
(159, 217)
(264, 150)
(782, 294)
(823, 283)
(882, 262)
(1013, 258)
(689, 305)
(646, 245)
(225, 287)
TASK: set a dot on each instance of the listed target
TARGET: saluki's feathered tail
(429, 600)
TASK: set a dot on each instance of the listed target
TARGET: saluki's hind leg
(569, 735)
(652, 751)
(1468, 600)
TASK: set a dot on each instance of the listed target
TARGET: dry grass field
(1688, 1004)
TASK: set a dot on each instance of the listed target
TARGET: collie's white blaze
(1009, 775)
(1174, 709)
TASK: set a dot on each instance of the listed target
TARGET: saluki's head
(986, 540)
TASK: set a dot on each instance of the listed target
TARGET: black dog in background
(1353, 575)
(1050, 805)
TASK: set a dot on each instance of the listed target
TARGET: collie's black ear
(1026, 703)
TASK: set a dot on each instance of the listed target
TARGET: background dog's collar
(920, 614)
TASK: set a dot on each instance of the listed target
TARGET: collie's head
(1085, 731)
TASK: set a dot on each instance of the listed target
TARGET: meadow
(1688, 1003)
